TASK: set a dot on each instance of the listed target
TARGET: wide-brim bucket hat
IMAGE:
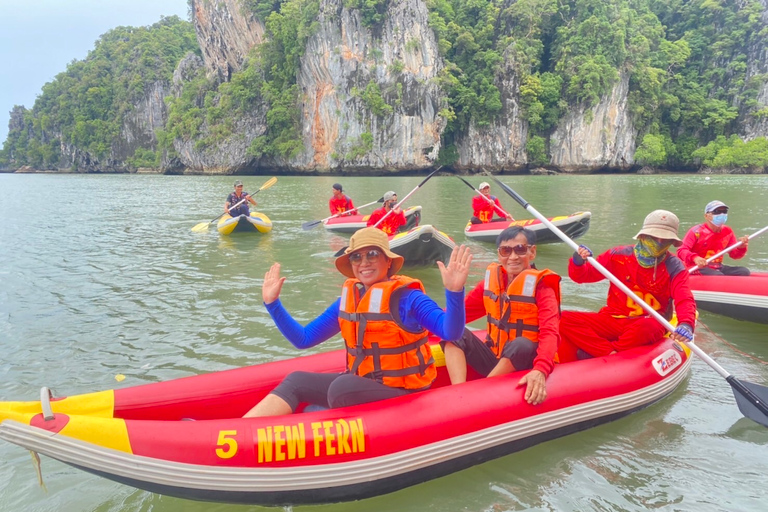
(368, 237)
(661, 224)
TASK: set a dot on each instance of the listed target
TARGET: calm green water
(101, 275)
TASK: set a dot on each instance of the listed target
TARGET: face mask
(648, 250)
(719, 219)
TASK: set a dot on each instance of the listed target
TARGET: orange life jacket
(379, 346)
(512, 312)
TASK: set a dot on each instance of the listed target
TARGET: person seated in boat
(385, 320)
(236, 197)
(522, 305)
(705, 240)
(650, 270)
(484, 206)
(340, 202)
(394, 221)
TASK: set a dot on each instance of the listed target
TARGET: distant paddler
(235, 206)
(706, 240)
(484, 205)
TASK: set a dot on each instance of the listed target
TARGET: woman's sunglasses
(372, 255)
(519, 249)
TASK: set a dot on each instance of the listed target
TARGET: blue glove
(577, 259)
(685, 331)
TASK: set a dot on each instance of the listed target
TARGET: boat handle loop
(45, 401)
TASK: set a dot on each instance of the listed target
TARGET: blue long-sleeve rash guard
(416, 309)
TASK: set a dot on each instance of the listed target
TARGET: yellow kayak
(255, 223)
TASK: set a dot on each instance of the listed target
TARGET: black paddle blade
(340, 251)
(309, 225)
(752, 399)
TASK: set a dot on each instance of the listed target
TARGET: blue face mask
(719, 219)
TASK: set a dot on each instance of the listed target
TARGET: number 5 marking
(229, 445)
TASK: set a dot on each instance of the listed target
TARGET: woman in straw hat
(652, 272)
(385, 320)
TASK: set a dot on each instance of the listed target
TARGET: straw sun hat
(368, 237)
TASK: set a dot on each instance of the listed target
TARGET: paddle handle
(406, 197)
(729, 249)
(613, 279)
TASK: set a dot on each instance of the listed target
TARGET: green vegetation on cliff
(685, 63)
(85, 106)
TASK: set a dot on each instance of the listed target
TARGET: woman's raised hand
(455, 274)
(273, 283)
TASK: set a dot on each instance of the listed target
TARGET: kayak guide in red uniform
(652, 272)
(385, 320)
(522, 305)
(235, 197)
(340, 202)
(711, 237)
(483, 210)
(394, 220)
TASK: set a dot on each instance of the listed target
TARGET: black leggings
(333, 390)
(724, 270)
(520, 351)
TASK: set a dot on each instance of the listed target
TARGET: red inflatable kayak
(351, 223)
(138, 435)
(740, 297)
(573, 225)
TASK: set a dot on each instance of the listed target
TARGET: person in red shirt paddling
(522, 305)
(708, 239)
(394, 220)
(483, 209)
(340, 202)
(648, 268)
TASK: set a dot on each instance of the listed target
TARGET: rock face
(140, 125)
(601, 136)
(341, 60)
(226, 34)
(501, 145)
(225, 157)
(757, 65)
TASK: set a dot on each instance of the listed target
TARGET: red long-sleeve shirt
(391, 224)
(702, 241)
(483, 209)
(549, 322)
(660, 287)
(341, 204)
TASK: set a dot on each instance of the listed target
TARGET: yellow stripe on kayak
(106, 432)
(100, 404)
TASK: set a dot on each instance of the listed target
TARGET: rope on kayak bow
(727, 343)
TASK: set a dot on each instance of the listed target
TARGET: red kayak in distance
(351, 223)
(573, 225)
(142, 436)
(739, 297)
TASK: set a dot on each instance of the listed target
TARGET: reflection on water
(112, 281)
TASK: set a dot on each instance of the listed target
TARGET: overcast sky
(38, 38)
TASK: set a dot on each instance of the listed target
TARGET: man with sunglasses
(522, 305)
(655, 275)
(708, 239)
(394, 221)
